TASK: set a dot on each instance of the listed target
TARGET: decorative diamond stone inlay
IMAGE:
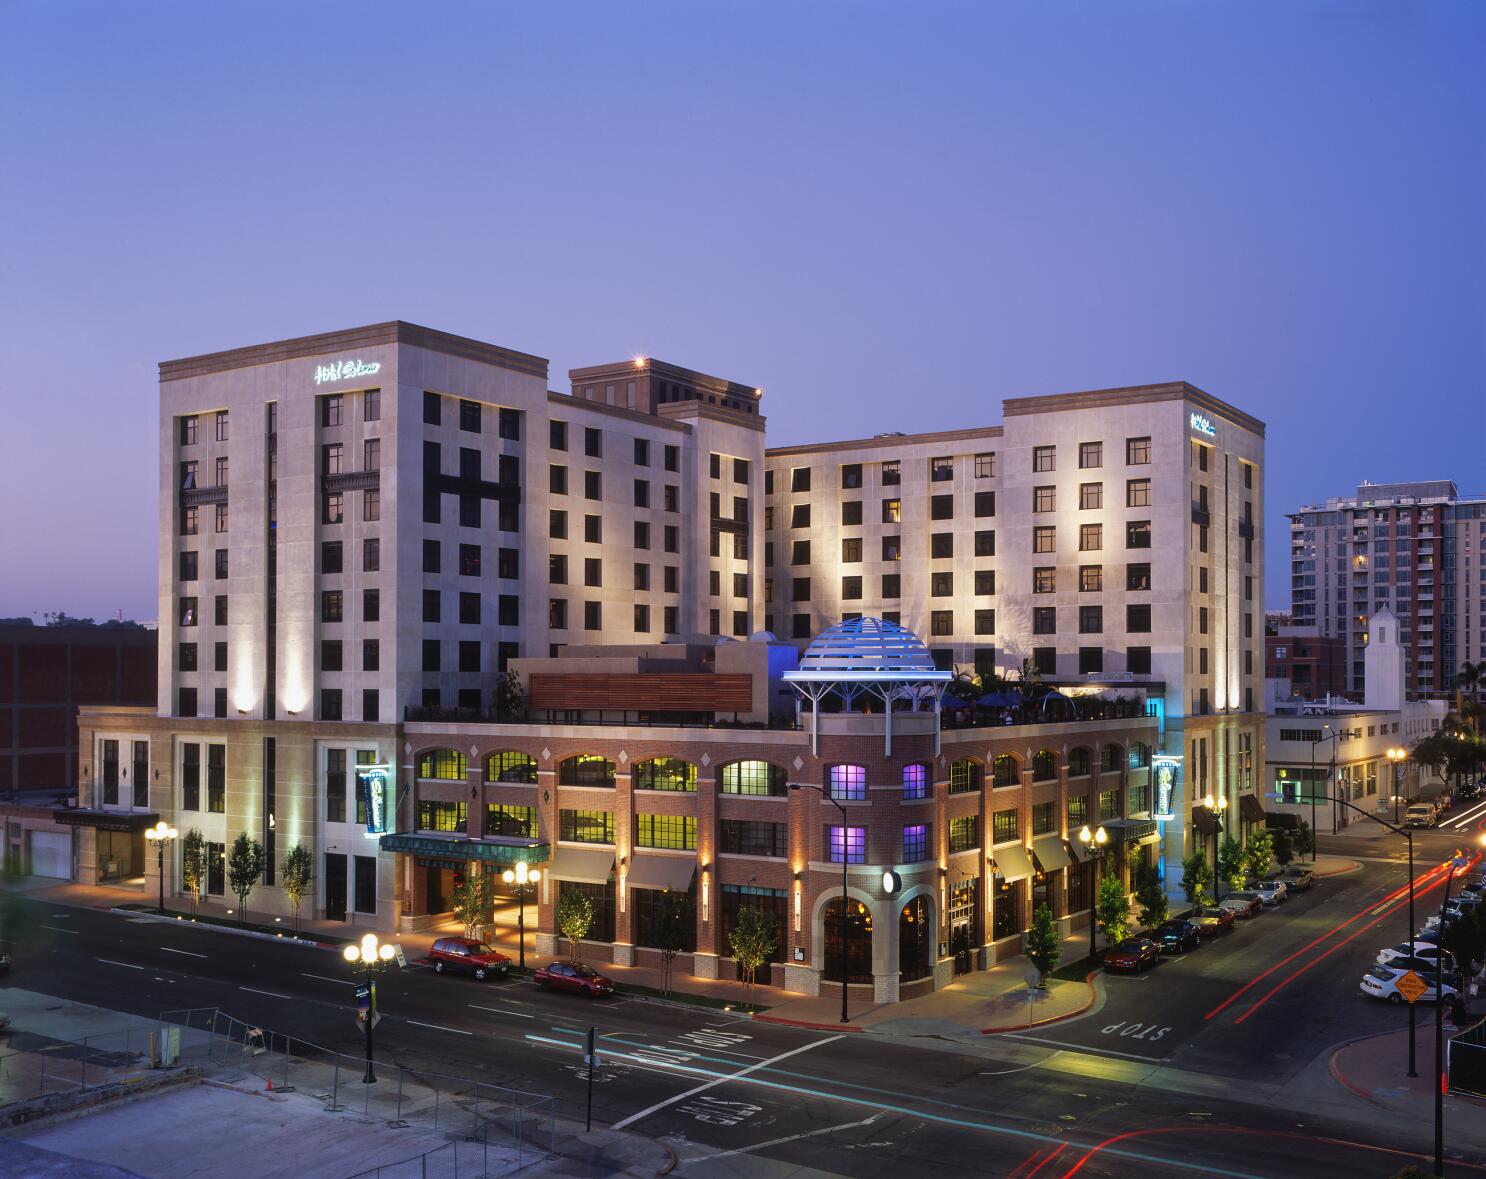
(798, 764)
(407, 747)
(546, 754)
(474, 749)
(706, 759)
(623, 758)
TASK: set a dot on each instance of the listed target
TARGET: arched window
(1140, 755)
(752, 777)
(916, 780)
(965, 776)
(1078, 762)
(847, 782)
(1044, 765)
(915, 940)
(1004, 771)
(510, 766)
(448, 764)
(858, 940)
(665, 773)
(586, 769)
(1109, 759)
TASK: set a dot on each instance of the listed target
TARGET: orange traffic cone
(270, 1085)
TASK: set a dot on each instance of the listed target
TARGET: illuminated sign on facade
(1166, 767)
(372, 786)
(342, 370)
(1202, 424)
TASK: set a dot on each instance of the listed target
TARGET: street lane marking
(187, 953)
(129, 965)
(1085, 1048)
(59, 929)
(659, 1105)
(324, 978)
(502, 1011)
(271, 994)
(440, 1027)
(722, 1154)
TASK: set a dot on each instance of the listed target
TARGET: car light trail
(1401, 891)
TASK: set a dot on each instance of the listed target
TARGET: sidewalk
(983, 1002)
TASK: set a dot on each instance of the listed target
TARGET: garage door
(51, 854)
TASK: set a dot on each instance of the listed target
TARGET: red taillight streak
(1401, 890)
(1293, 975)
(1055, 1153)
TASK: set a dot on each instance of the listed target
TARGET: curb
(814, 1027)
(1354, 866)
(227, 929)
(1021, 1027)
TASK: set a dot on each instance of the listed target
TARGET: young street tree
(1113, 908)
(1150, 892)
(1232, 862)
(295, 876)
(752, 941)
(1259, 853)
(1044, 947)
(471, 900)
(574, 916)
(194, 866)
(1196, 878)
(1305, 840)
(671, 929)
(244, 870)
(1284, 850)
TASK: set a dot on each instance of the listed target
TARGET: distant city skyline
(885, 224)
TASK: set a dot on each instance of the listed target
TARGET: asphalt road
(733, 1096)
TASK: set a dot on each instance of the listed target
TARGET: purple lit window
(849, 782)
(915, 843)
(851, 840)
(916, 781)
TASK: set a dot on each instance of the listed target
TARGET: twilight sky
(889, 216)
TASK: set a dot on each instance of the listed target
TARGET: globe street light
(162, 835)
(524, 880)
(370, 959)
(1397, 757)
(1217, 805)
(1093, 847)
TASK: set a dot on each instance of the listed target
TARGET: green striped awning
(457, 848)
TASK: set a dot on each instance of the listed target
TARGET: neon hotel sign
(342, 370)
(1202, 424)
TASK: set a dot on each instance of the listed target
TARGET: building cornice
(1131, 395)
(393, 332)
(887, 441)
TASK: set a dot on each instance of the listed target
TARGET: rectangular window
(1004, 826)
(941, 469)
(220, 514)
(1044, 538)
(1137, 493)
(941, 545)
(985, 622)
(371, 405)
(1137, 451)
(443, 816)
(432, 409)
(371, 605)
(593, 616)
(593, 529)
(847, 782)
(799, 479)
(1044, 620)
(846, 843)
(188, 430)
(1090, 620)
(941, 507)
(1138, 577)
(1044, 499)
(1044, 579)
(557, 524)
(851, 588)
(892, 472)
(1045, 660)
(1138, 619)
(1090, 538)
(216, 779)
(915, 843)
(1090, 660)
(1044, 818)
(1090, 454)
(1137, 534)
(892, 548)
(851, 512)
(942, 622)
(1138, 660)
(892, 585)
(593, 442)
(469, 416)
(1090, 579)
(985, 582)
(1043, 458)
(985, 504)
(964, 833)
(747, 837)
(851, 475)
(941, 585)
(1090, 496)
(985, 465)
(332, 607)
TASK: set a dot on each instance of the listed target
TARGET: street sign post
(1411, 986)
(591, 1059)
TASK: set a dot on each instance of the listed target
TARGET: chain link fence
(486, 1121)
(36, 1066)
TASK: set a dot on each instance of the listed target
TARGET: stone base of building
(885, 988)
(704, 965)
(804, 980)
(944, 973)
(624, 954)
(547, 944)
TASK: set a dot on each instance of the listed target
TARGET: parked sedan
(1211, 922)
(1298, 879)
(1177, 936)
(1425, 950)
(1271, 892)
(1133, 954)
(1381, 982)
(463, 953)
(1242, 904)
(573, 976)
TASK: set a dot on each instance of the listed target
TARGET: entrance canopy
(458, 849)
(101, 820)
(873, 658)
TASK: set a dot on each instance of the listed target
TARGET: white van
(1419, 814)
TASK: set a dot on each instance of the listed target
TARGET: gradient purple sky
(890, 216)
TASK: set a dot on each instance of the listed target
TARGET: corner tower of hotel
(425, 617)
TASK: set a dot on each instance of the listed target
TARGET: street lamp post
(1217, 805)
(1094, 842)
(1315, 842)
(370, 959)
(845, 896)
(162, 835)
(524, 881)
(1458, 860)
(1397, 757)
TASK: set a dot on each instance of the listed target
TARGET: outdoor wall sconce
(799, 893)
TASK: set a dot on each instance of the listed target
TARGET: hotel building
(426, 617)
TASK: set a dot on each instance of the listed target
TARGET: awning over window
(102, 820)
(1250, 809)
(1204, 820)
(1051, 853)
(673, 873)
(457, 849)
(1147, 840)
(1012, 862)
(582, 865)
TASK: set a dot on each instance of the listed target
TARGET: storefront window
(652, 909)
(858, 940)
(1006, 917)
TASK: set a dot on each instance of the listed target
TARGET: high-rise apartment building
(1100, 539)
(1417, 549)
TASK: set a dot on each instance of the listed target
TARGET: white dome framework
(869, 657)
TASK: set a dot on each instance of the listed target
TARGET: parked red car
(1211, 922)
(1133, 954)
(463, 953)
(573, 976)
